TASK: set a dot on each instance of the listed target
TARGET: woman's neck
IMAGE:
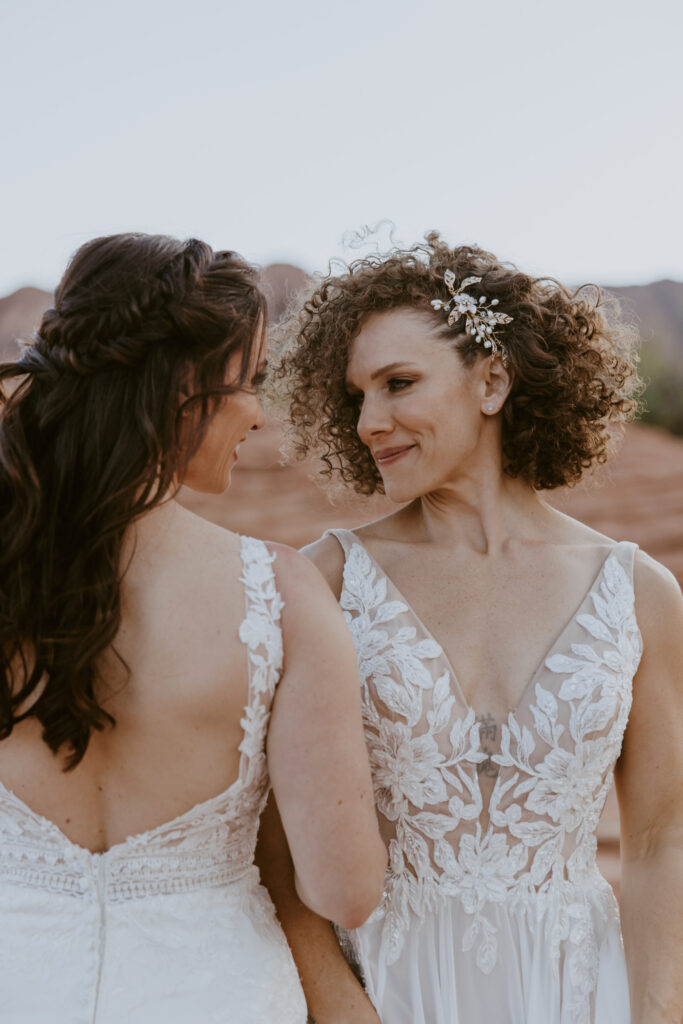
(482, 514)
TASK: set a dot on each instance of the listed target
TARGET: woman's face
(423, 413)
(210, 468)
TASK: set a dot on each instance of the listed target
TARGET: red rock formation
(281, 282)
(20, 314)
(659, 310)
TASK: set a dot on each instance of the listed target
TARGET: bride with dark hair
(511, 659)
(157, 672)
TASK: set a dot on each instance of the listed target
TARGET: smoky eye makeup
(400, 383)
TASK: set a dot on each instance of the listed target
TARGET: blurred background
(548, 132)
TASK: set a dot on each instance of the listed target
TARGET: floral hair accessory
(481, 319)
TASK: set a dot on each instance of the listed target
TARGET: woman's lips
(387, 456)
(237, 448)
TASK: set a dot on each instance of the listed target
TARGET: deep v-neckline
(548, 653)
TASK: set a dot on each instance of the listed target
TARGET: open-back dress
(169, 926)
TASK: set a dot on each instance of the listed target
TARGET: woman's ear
(496, 382)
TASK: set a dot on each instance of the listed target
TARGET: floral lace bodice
(526, 839)
(209, 845)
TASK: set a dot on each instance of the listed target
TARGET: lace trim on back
(211, 844)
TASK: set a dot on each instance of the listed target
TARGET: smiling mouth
(387, 456)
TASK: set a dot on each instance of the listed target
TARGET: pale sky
(547, 132)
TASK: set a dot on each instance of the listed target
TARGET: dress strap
(262, 633)
(625, 551)
(345, 537)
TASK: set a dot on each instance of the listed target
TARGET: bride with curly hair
(512, 660)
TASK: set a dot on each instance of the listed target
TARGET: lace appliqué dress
(171, 925)
(493, 907)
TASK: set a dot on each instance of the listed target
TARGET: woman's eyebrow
(388, 369)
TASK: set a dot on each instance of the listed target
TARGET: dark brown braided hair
(104, 411)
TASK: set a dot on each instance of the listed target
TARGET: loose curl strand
(571, 356)
(99, 418)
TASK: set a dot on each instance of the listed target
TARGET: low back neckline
(348, 537)
(201, 807)
(132, 840)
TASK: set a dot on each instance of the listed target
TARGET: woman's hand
(333, 993)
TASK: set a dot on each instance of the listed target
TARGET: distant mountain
(20, 314)
(281, 282)
(658, 308)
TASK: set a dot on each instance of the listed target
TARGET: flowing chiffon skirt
(435, 981)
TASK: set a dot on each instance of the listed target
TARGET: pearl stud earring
(489, 407)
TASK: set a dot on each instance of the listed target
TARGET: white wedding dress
(493, 908)
(170, 926)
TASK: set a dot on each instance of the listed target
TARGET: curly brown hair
(571, 356)
(100, 419)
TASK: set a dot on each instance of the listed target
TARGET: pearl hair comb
(481, 319)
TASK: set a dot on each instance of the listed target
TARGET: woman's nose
(372, 420)
(259, 417)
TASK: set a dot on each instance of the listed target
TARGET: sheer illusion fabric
(493, 907)
(171, 925)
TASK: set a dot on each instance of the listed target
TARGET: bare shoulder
(398, 526)
(659, 601)
(202, 538)
(298, 578)
(193, 558)
(312, 621)
(655, 578)
(659, 613)
(655, 722)
(566, 530)
(327, 555)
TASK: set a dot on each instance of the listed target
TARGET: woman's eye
(399, 383)
(259, 379)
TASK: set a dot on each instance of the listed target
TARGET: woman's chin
(401, 491)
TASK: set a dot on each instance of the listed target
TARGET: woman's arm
(316, 751)
(333, 994)
(649, 780)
